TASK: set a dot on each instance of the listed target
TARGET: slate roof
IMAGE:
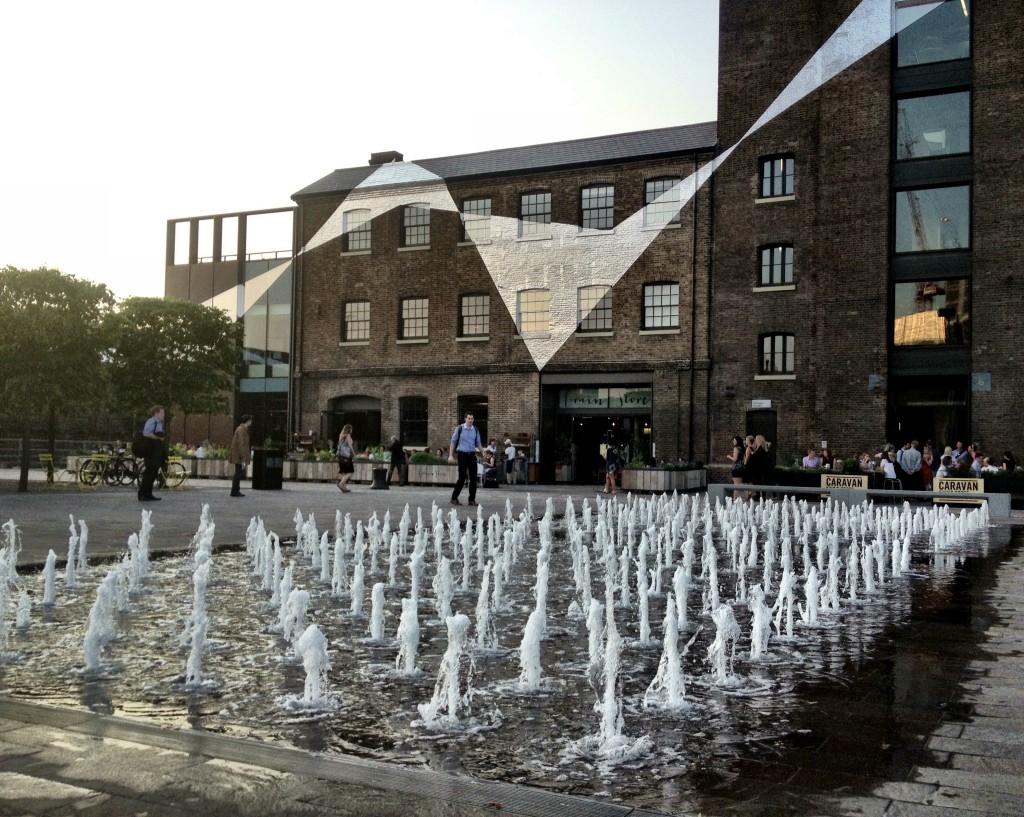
(646, 144)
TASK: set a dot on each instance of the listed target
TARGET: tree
(50, 347)
(177, 354)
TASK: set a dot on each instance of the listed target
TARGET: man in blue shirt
(465, 445)
(153, 432)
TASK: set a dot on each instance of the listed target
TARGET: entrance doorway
(581, 440)
(932, 408)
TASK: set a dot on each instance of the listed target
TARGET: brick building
(807, 267)
(865, 264)
(557, 291)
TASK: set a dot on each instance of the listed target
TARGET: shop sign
(600, 399)
(844, 481)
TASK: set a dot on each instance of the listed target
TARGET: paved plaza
(63, 761)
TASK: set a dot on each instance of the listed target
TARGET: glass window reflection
(932, 31)
(937, 125)
(933, 219)
(933, 313)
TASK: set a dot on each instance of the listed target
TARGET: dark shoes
(456, 502)
(150, 498)
(471, 503)
(238, 494)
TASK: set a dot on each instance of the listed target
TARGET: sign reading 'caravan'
(844, 481)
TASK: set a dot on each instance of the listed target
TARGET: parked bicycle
(118, 467)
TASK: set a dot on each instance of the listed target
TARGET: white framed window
(355, 231)
(594, 309)
(416, 225)
(415, 318)
(355, 321)
(662, 201)
(476, 220)
(661, 306)
(534, 311)
(535, 215)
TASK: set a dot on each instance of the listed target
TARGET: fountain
(596, 661)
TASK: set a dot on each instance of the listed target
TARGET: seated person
(947, 463)
(988, 467)
(889, 465)
(811, 460)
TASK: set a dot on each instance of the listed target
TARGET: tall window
(932, 313)
(777, 175)
(597, 207)
(777, 354)
(416, 225)
(474, 315)
(595, 309)
(355, 231)
(476, 220)
(412, 420)
(534, 311)
(661, 202)
(535, 214)
(932, 31)
(776, 266)
(355, 320)
(937, 218)
(414, 319)
(936, 125)
(661, 306)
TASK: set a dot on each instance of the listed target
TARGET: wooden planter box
(433, 474)
(659, 480)
(214, 469)
(314, 471)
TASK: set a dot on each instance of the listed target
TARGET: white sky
(117, 116)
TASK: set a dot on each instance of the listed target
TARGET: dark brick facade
(840, 223)
(501, 368)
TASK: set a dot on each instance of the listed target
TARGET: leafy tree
(177, 354)
(50, 347)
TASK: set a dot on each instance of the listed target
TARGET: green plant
(177, 450)
(325, 456)
(215, 453)
(309, 456)
(426, 458)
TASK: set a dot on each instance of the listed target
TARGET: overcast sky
(119, 116)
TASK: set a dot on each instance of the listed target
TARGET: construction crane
(913, 203)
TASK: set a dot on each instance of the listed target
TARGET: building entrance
(929, 408)
(581, 442)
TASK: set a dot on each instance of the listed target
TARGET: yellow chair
(54, 474)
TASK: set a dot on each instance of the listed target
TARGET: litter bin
(267, 469)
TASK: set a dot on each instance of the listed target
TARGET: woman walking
(346, 450)
(738, 455)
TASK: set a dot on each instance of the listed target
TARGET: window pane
(598, 206)
(412, 420)
(535, 214)
(476, 219)
(776, 266)
(534, 310)
(356, 321)
(595, 309)
(661, 306)
(937, 125)
(356, 230)
(932, 313)
(414, 317)
(778, 354)
(932, 32)
(934, 219)
(475, 316)
(661, 199)
(777, 176)
(416, 225)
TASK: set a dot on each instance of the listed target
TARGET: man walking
(465, 445)
(153, 452)
(240, 453)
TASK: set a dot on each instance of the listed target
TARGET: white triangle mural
(570, 259)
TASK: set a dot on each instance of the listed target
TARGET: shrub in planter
(426, 458)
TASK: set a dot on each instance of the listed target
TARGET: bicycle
(171, 474)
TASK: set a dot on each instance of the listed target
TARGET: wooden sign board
(959, 485)
(857, 481)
